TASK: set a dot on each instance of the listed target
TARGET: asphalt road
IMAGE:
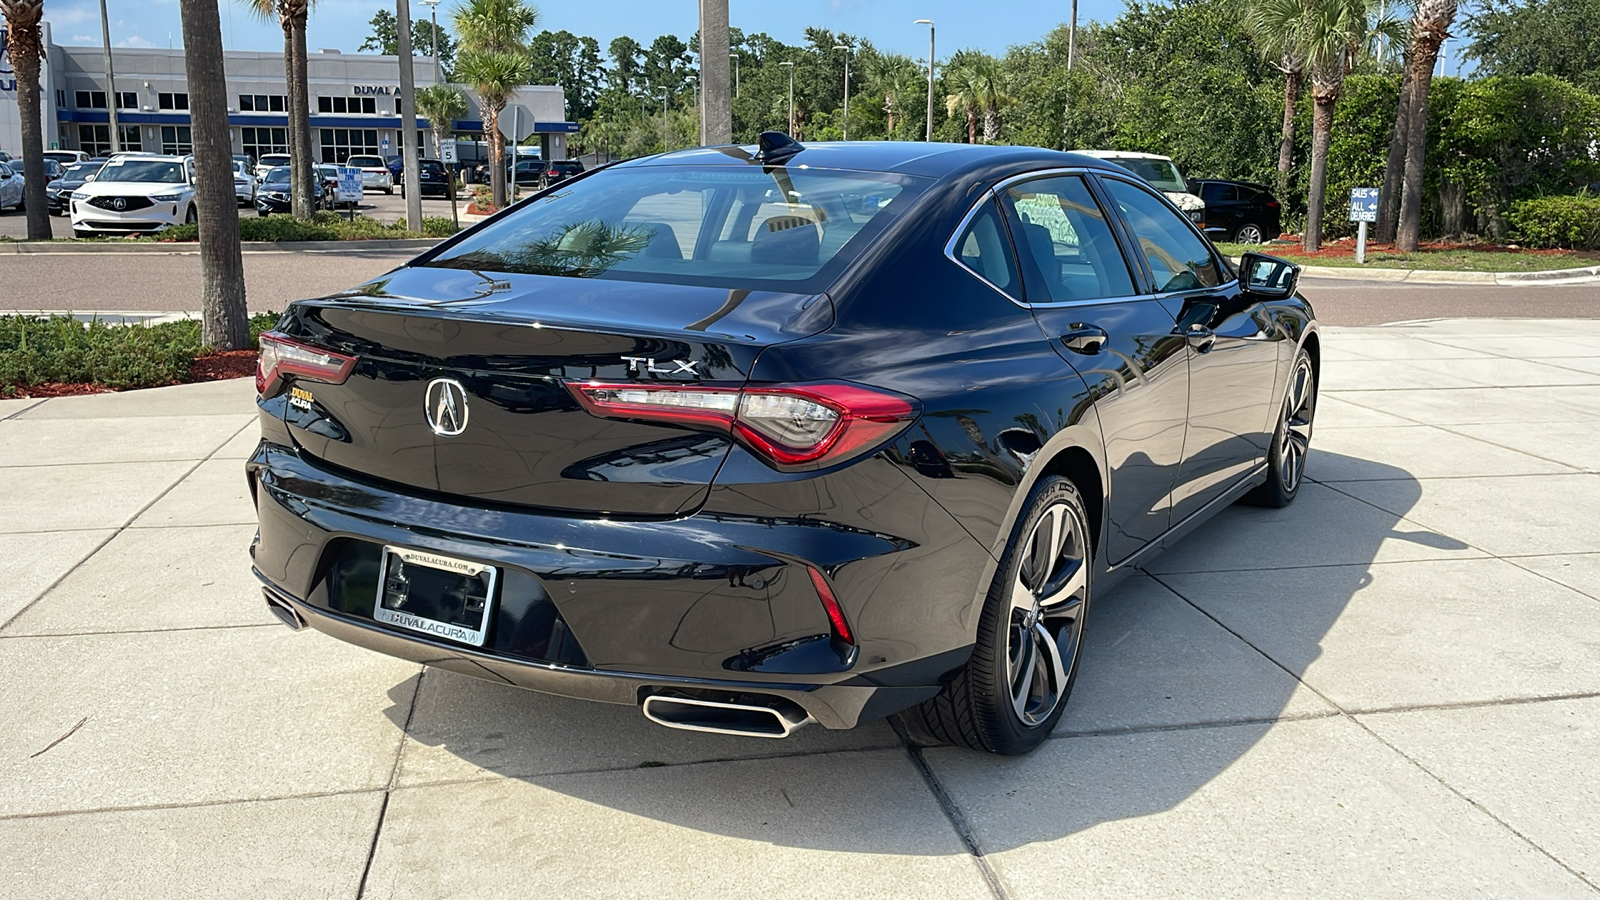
(171, 282)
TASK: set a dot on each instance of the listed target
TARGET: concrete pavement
(1390, 689)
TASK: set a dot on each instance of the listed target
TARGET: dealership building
(354, 98)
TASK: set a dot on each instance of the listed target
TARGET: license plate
(434, 594)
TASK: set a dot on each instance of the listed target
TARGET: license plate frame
(459, 632)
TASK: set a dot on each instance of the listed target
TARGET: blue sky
(341, 24)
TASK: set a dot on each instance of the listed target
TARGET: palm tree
(1263, 20)
(224, 321)
(966, 95)
(494, 60)
(992, 96)
(24, 42)
(441, 105)
(1429, 27)
(291, 15)
(897, 78)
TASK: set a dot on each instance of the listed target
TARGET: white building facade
(354, 98)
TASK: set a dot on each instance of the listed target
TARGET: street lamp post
(664, 144)
(735, 58)
(791, 96)
(929, 23)
(1072, 36)
(111, 79)
(433, 13)
(845, 125)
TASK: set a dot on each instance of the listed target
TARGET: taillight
(281, 356)
(801, 426)
(1272, 204)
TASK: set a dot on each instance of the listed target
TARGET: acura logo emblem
(119, 204)
(446, 406)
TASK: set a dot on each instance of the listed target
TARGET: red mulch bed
(1346, 247)
(474, 209)
(216, 366)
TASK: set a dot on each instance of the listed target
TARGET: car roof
(933, 160)
(1122, 154)
(1249, 184)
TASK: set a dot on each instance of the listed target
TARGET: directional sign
(1364, 204)
(516, 122)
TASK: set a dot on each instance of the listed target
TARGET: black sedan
(276, 192)
(433, 177)
(1239, 211)
(58, 192)
(758, 437)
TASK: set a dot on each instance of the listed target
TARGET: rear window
(364, 162)
(432, 167)
(1161, 174)
(713, 225)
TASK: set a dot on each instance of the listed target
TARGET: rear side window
(714, 225)
(1180, 260)
(1066, 244)
(1212, 192)
(984, 248)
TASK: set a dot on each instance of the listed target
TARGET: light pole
(735, 58)
(111, 80)
(433, 13)
(1072, 36)
(664, 95)
(929, 23)
(791, 96)
(845, 125)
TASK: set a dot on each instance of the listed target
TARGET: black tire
(192, 216)
(980, 708)
(1291, 442)
(389, 191)
(82, 235)
(1249, 233)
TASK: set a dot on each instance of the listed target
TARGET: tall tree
(224, 320)
(24, 41)
(442, 104)
(385, 39)
(291, 16)
(494, 60)
(1394, 169)
(1281, 48)
(1549, 37)
(965, 94)
(898, 80)
(1429, 27)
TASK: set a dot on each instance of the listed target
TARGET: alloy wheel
(1046, 616)
(1298, 409)
(1249, 234)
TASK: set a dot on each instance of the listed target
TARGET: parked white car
(135, 194)
(374, 173)
(268, 162)
(66, 157)
(244, 183)
(11, 184)
(1161, 174)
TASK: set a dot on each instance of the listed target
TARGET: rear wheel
(1291, 443)
(1249, 233)
(1013, 690)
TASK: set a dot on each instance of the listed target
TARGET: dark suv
(559, 170)
(1239, 211)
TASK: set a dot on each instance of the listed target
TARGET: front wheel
(1291, 442)
(1249, 234)
(191, 217)
(1015, 686)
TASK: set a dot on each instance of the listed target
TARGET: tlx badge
(639, 365)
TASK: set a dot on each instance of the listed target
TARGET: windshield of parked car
(713, 225)
(365, 162)
(128, 169)
(1161, 174)
(82, 170)
(280, 174)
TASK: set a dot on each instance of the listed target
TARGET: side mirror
(1268, 277)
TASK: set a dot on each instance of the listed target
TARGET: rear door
(1120, 339)
(1232, 346)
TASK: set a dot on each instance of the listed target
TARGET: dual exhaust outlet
(767, 717)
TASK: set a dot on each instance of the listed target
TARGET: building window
(127, 100)
(61, 98)
(172, 101)
(90, 99)
(176, 140)
(339, 144)
(261, 103)
(348, 105)
(95, 140)
(260, 141)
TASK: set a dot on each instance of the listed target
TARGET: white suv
(135, 194)
(1161, 174)
(374, 174)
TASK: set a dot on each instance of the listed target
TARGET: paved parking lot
(1391, 689)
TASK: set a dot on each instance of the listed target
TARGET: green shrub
(262, 322)
(1569, 222)
(438, 226)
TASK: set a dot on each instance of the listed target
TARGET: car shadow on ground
(1155, 662)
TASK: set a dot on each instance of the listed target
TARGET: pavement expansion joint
(952, 812)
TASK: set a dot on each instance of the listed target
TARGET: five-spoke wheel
(1291, 443)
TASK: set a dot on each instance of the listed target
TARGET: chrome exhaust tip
(778, 720)
(285, 613)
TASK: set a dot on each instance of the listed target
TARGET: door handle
(1086, 339)
(1200, 337)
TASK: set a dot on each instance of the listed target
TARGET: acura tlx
(759, 437)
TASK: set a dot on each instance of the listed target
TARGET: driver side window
(1180, 260)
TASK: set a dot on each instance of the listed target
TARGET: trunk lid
(508, 343)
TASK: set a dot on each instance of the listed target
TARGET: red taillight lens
(792, 426)
(281, 356)
(841, 628)
(1272, 204)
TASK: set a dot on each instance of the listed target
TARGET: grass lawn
(1443, 259)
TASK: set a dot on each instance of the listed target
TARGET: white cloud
(134, 41)
(86, 39)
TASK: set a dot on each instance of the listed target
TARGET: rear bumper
(616, 610)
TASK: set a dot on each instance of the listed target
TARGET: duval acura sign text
(384, 89)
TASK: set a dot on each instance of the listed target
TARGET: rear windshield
(367, 162)
(431, 166)
(1161, 174)
(712, 225)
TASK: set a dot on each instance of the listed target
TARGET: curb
(188, 248)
